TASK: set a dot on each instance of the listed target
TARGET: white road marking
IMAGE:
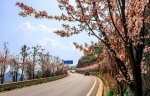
(100, 89)
(92, 87)
(58, 87)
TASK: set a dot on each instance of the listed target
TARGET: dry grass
(111, 82)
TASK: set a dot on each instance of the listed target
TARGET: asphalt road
(73, 85)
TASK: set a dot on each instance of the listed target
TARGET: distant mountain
(72, 67)
(8, 77)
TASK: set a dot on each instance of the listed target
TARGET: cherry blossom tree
(28, 67)
(45, 64)
(118, 24)
(27, 63)
(107, 68)
(14, 67)
(53, 64)
(4, 58)
(41, 60)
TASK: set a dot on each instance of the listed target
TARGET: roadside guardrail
(13, 85)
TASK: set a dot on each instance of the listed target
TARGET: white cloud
(65, 47)
(40, 27)
(46, 41)
(27, 25)
(55, 43)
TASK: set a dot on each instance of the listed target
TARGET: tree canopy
(118, 24)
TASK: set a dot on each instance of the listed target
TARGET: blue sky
(18, 30)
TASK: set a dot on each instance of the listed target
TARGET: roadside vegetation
(122, 28)
(100, 68)
(11, 86)
(31, 63)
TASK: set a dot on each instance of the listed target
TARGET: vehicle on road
(86, 73)
(72, 71)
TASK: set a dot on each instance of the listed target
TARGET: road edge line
(100, 89)
(92, 87)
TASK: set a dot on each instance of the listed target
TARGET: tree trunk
(2, 78)
(16, 77)
(33, 73)
(30, 72)
(1, 75)
(137, 81)
(136, 71)
(22, 75)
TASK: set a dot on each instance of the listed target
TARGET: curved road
(73, 85)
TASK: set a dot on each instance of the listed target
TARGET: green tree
(35, 58)
(24, 55)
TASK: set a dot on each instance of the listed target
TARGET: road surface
(73, 85)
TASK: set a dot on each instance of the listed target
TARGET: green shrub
(49, 80)
(6, 89)
(18, 86)
(13, 87)
(109, 93)
(44, 81)
(34, 83)
(27, 84)
(1, 89)
(23, 85)
(125, 93)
